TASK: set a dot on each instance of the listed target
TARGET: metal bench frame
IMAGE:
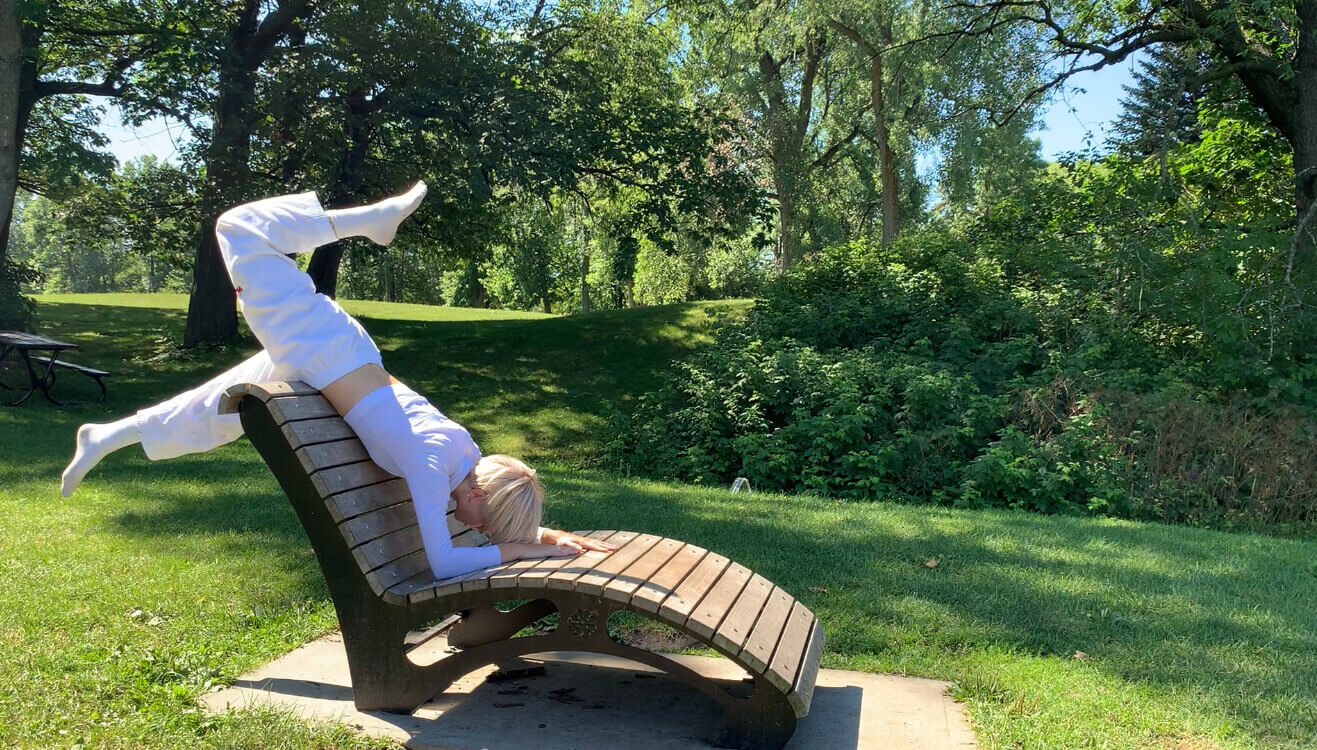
(738, 613)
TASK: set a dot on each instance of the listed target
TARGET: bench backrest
(371, 508)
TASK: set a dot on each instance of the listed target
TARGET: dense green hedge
(919, 374)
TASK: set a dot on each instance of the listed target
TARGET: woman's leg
(187, 423)
(307, 334)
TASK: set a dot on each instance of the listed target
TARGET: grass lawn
(157, 580)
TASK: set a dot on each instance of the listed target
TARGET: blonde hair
(514, 499)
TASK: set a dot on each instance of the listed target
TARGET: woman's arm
(580, 543)
(523, 551)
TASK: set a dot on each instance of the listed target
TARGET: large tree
(52, 56)
(245, 44)
(1269, 46)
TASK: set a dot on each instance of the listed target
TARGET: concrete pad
(592, 700)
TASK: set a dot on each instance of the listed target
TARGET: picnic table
(41, 369)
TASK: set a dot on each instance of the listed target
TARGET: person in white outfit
(308, 336)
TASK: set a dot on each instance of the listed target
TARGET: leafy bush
(16, 311)
(920, 373)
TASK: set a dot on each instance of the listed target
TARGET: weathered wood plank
(377, 523)
(593, 581)
(547, 567)
(345, 505)
(449, 586)
(706, 618)
(390, 547)
(660, 585)
(382, 579)
(338, 479)
(506, 575)
(802, 690)
(790, 651)
(231, 400)
(623, 585)
(325, 455)
(403, 591)
(565, 577)
(677, 607)
(293, 409)
(735, 629)
(768, 631)
(312, 431)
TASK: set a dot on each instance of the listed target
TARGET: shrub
(916, 374)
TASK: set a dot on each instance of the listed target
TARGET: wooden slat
(706, 617)
(386, 549)
(402, 592)
(565, 577)
(338, 479)
(593, 581)
(311, 406)
(802, 690)
(768, 631)
(231, 400)
(452, 585)
(790, 651)
(648, 596)
(679, 605)
(396, 572)
(312, 431)
(621, 587)
(377, 523)
(324, 455)
(735, 629)
(355, 502)
(547, 567)
(506, 575)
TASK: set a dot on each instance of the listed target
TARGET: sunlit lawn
(118, 607)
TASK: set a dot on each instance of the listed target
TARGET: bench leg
(485, 624)
(763, 720)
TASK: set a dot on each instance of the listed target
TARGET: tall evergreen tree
(1160, 110)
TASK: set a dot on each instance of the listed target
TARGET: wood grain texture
(768, 630)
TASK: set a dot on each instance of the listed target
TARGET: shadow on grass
(1215, 613)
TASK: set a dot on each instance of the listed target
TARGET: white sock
(96, 441)
(377, 221)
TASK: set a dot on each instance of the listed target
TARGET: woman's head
(503, 498)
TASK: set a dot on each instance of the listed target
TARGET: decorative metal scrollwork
(583, 622)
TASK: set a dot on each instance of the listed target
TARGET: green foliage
(17, 312)
(1108, 338)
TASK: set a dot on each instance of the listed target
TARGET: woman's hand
(528, 551)
(575, 541)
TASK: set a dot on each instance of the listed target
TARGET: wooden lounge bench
(362, 525)
(90, 372)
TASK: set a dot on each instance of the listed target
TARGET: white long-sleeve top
(407, 436)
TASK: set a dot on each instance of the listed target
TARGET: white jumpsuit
(308, 336)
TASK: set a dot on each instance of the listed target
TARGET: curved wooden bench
(362, 525)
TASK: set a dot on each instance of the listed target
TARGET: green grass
(121, 605)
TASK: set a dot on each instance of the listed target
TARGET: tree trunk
(347, 184)
(788, 239)
(212, 309)
(323, 268)
(585, 284)
(886, 160)
(212, 314)
(11, 77)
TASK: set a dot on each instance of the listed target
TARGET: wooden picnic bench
(90, 372)
(41, 377)
(362, 526)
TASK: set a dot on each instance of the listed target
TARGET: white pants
(306, 335)
(190, 422)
